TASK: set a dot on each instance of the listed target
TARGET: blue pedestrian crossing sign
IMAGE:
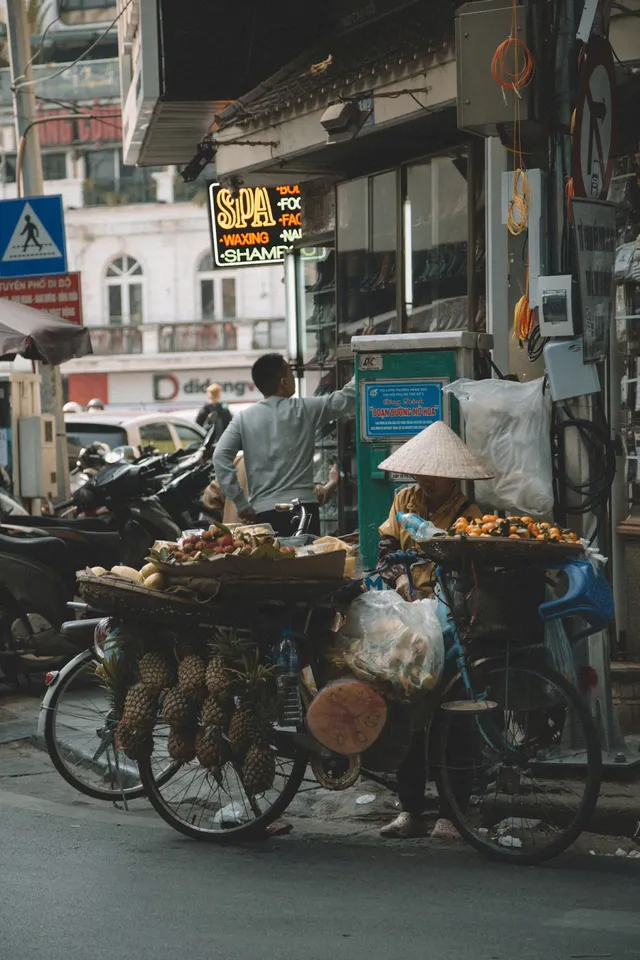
(32, 240)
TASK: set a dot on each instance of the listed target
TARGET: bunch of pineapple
(216, 700)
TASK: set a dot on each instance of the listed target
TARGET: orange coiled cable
(513, 66)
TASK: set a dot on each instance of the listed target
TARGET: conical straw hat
(437, 452)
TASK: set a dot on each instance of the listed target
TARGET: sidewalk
(356, 813)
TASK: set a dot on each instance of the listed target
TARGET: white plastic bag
(388, 640)
(507, 425)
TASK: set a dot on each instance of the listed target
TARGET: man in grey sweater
(277, 436)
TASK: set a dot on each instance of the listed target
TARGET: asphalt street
(87, 882)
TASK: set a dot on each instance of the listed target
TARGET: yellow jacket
(412, 499)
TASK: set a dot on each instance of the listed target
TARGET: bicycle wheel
(521, 780)
(221, 810)
(79, 734)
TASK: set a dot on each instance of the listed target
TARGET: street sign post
(594, 223)
(32, 238)
(594, 122)
(60, 295)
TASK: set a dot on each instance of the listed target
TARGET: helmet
(72, 407)
(95, 404)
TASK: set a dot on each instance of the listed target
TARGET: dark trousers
(281, 522)
(412, 772)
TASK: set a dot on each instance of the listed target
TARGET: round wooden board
(347, 716)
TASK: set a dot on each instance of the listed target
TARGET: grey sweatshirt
(278, 439)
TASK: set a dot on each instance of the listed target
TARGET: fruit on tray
(127, 573)
(219, 541)
(512, 528)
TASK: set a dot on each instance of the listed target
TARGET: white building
(164, 322)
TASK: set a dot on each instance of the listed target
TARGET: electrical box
(37, 446)
(569, 376)
(555, 306)
(483, 105)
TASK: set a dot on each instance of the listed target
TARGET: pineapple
(191, 677)
(177, 709)
(215, 713)
(242, 729)
(155, 672)
(217, 677)
(140, 706)
(135, 742)
(207, 747)
(181, 745)
(259, 769)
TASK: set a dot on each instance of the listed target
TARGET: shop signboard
(595, 232)
(399, 409)
(254, 225)
(192, 386)
(60, 295)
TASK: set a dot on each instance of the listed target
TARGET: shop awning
(404, 64)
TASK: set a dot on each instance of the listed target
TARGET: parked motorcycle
(38, 566)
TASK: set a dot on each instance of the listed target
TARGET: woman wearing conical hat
(437, 459)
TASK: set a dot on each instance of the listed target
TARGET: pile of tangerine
(512, 528)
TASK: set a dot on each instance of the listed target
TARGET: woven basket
(118, 598)
(498, 552)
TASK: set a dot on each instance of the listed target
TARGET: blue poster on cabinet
(398, 410)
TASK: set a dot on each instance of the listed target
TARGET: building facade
(164, 323)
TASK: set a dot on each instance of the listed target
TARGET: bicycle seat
(45, 550)
(588, 596)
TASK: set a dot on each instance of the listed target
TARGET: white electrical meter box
(569, 376)
(37, 445)
(554, 306)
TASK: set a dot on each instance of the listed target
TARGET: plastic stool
(588, 596)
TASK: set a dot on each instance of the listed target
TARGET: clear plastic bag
(507, 425)
(388, 640)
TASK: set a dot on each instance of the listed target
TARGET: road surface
(82, 881)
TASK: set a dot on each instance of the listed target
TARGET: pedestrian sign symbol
(32, 241)
(30, 238)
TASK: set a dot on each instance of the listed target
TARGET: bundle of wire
(524, 319)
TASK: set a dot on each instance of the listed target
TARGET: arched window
(124, 291)
(217, 294)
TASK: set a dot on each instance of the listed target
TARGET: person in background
(214, 413)
(277, 436)
(214, 499)
(437, 459)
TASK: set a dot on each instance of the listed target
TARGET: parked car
(165, 432)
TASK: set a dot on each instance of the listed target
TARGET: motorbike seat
(45, 550)
(90, 524)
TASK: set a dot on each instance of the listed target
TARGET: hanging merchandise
(508, 424)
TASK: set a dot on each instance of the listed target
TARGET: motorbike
(50, 555)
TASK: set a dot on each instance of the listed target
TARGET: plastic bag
(508, 425)
(388, 640)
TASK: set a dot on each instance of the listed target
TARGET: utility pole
(24, 108)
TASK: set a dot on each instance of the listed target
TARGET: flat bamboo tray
(322, 566)
(498, 551)
(119, 598)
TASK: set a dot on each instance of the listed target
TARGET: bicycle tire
(245, 832)
(592, 780)
(52, 745)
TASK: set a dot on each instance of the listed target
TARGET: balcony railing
(112, 193)
(116, 340)
(201, 337)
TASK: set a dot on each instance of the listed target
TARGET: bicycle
(508, 727)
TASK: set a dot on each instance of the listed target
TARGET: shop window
(110, 183)
(367, 256)
(54, 166)
(435, 228)
(8, 168)
(124, 291)
(217, 294)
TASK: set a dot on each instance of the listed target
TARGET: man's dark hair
(267, 372)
